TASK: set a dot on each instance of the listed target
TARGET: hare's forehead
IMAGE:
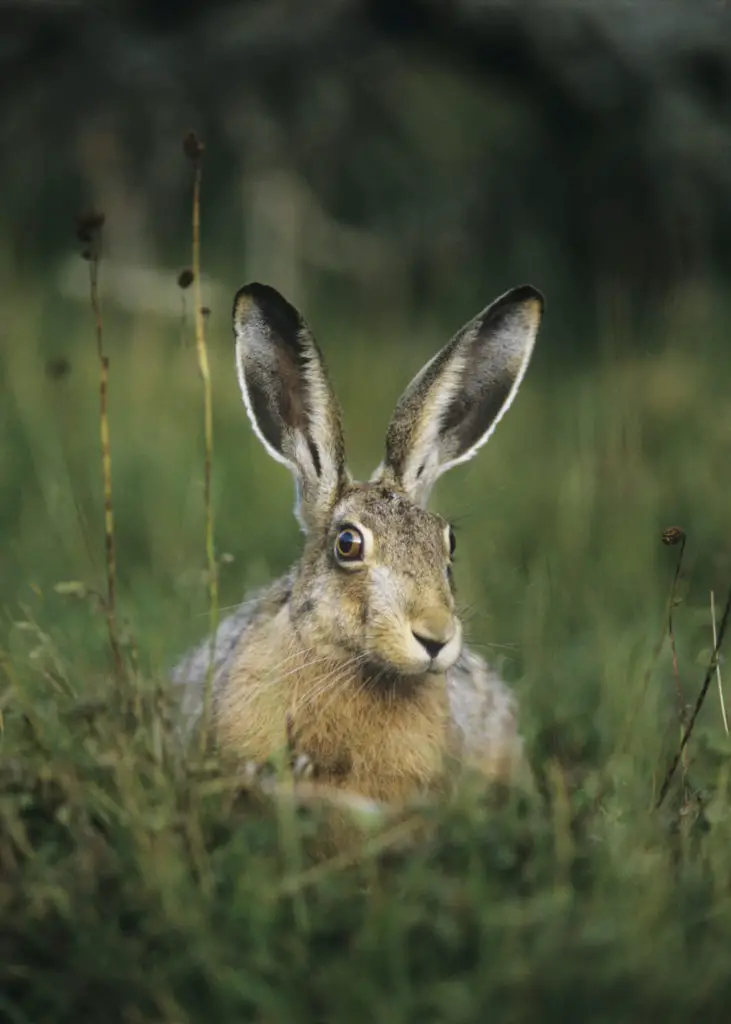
(389, 516)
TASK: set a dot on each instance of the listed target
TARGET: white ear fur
(288, 397)
(452, 406)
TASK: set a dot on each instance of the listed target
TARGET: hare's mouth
(381, 677)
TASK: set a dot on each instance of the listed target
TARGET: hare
(356, 655)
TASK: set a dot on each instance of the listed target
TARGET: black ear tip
(525, 297)
(257, 291)
(526, 293)
(256, 294)
(269, 303)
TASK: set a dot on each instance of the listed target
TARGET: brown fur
(378, 743)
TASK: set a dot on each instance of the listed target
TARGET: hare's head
(375, 581)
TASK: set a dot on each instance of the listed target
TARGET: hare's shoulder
(483, 709)
(192, 670)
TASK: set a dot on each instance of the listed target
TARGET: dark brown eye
(349, 544)
(452, 542)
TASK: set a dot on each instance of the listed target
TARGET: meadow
(138, 887)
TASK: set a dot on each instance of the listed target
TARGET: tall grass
(136, 887)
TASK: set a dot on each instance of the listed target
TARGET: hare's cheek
(346, 609)
(386, 594)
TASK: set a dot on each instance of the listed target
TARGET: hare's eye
(349, 544)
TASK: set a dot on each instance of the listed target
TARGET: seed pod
(193, 147)
(673, 535)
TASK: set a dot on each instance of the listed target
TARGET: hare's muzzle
(436, 639)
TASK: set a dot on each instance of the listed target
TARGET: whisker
(487, 645)
(317, 685)
(261, 682)
(466, 610)
(223, 608)
(275, 675)
(463, 516)
(356, 662)
(339, 673)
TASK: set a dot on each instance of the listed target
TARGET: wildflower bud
(185, 278)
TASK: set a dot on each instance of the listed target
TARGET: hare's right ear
(450, 409)
(289, 399)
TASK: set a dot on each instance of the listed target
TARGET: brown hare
(356, 655)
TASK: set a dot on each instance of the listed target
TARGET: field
(137, 888)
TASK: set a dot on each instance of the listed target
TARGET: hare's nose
(433, 628)
(432, 647)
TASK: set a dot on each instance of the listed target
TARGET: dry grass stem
(671, 633)
(194, 150)
(712, 665)
(109, 544)
(387, 839)
(671, 536)
(718, 666)
(675, 535)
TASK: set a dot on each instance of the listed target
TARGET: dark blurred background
(403, 151)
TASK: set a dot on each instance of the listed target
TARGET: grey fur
(191, 673)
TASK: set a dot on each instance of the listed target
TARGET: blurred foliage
(391, 167)
(130, 894)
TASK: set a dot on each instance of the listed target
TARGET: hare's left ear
(452, 406)
(289, 399)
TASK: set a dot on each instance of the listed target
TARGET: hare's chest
(390, 751)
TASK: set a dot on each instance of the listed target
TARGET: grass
(137, 887)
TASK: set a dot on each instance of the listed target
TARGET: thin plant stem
(699, 702)
(385, 839)
(205, 375)
(636, 704)
(671, 635)
(109, 542)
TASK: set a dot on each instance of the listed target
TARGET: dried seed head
(205, 311)
(673, 535)
(87, 224)
(185, 278)
(58, 368)
(193, 147)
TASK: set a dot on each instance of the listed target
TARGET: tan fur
(387, 747)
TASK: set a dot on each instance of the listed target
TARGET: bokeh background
(391, 168)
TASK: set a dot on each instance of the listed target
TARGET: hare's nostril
(432, 647)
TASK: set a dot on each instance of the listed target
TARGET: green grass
(134, 887)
